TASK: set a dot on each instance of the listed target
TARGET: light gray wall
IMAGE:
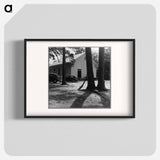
(81, 136)
(80, 63)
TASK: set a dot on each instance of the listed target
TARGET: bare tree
(90, 76)
(63, 68)
(101, 82)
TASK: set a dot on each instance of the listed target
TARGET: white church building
(76, 68)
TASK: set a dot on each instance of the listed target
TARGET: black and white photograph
(79, 77)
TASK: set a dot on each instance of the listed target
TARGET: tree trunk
(90, 76)
(63, 68)
(101, 82)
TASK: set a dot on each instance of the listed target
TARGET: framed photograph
(92, 78)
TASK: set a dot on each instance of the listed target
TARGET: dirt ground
(68, 96)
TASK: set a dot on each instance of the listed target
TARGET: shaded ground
(68, 96)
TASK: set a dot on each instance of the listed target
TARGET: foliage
(56, 53)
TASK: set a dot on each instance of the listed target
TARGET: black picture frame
(25, 77)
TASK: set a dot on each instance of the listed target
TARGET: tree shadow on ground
(78, 103)
(105, 100)
(80, 100)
